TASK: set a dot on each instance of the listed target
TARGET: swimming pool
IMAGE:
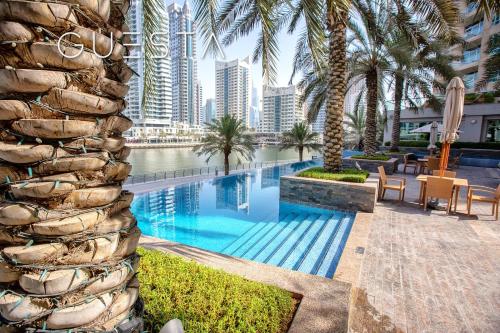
(241, 215)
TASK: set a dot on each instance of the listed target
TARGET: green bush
(376, 157)
(346, 175)
(456, 145)
(208, 300)
(489, 97)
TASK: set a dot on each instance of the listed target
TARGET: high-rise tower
(233, 89)
(184, 64)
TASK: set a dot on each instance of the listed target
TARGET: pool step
(271, 228)
(249, 235)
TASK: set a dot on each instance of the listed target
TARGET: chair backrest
(439, 187)
(447, 173)
(433, 163)
(497, 193)
(383, 176)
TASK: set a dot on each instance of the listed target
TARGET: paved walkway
(429, 272)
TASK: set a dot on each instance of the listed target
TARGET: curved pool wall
(241, 215)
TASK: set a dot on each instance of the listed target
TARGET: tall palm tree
(369, 61)
(270, 16)
(226, 136)
(300, 137)
(68, 238)
(418, 73)
(492, 65)
(356, 122)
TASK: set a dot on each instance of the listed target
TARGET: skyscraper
(199, 104)
(157, 113)
(254, 109)
(233, 89)
(134, 97)
(184, 64)
(282, 109)
(210, 112)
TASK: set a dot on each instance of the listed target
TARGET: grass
(375, 157)
(346, 175)
(209, 300)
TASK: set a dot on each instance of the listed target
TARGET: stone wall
(390, 166)
(330, 194)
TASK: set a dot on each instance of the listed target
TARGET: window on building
(470, 80)
(495, 77)
(473, 29)
(493, 130)
(472, 55)
(406, 134)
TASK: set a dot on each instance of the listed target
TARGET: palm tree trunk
(398, 97)
(226, 164)
(370, 142)
(337, 67)
(301, 153)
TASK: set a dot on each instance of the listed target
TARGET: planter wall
(330, 194)
(390, 165)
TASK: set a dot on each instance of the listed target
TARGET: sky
(240, 49)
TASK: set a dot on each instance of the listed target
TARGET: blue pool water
(241, 215)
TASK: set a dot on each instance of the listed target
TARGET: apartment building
(281, 109)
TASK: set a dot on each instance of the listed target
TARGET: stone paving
(427, 271)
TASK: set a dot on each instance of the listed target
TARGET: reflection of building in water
(158, 207)
(270, 177)
(233, 193)
(187, 199)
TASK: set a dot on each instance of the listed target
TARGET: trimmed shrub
(208, 300)
(376, 157)
(346, 175)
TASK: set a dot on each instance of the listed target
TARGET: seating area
(433, 185)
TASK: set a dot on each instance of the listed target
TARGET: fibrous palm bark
(334, 117)
(371, 146)
(67, 237)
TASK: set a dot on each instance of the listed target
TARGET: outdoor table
(457, 184)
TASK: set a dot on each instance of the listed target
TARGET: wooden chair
(432, 164)
(409, 164)
(439, 188)
(447, 173)
(486, 194)
(454, 162)
(384, 184)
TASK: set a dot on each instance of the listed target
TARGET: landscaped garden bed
(209, 300)
(346, 175)
(350, 189)
(372, 162)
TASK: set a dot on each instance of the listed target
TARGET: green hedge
(346, 175)
(375, 157)
(457, 145)
(208, 300)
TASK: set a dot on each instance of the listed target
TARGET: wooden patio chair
(484, 194)
(431, 165)
(384, 184)
(454, 162)
(408, 163)
(439, 188)
(447, 173)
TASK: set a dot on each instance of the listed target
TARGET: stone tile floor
(427, 271)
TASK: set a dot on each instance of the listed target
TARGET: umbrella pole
(445, 153)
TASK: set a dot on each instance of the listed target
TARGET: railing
(203, 171)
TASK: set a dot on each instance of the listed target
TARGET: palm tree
(356, 123)
(239, 17)
(492, 65)
(300, 137)
(418, 73)
(226, 135)
(67, 232)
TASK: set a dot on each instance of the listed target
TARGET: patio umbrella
(452, 115)
(433, 136)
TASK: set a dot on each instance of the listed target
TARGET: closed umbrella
(433, 136)
(452, 116)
